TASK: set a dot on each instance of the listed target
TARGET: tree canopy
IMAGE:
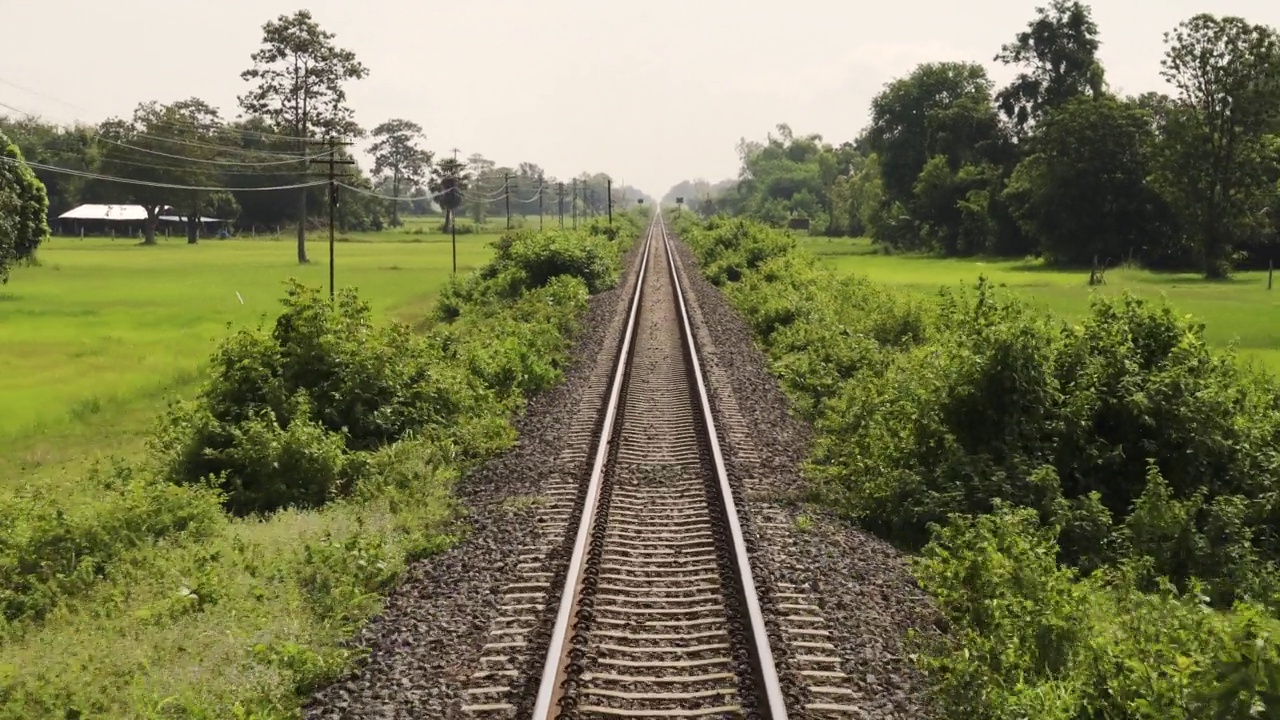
(23, 208)
(398, 153)
(1053, 164)
(299, 81)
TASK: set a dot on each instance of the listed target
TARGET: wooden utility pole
(541, 185)
(333, 176)
(506, 186)
(609, 185)
(575, 204)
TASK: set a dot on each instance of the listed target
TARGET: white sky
(652, 93)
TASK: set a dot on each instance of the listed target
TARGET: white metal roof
(128, 213)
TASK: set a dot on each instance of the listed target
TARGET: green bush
(51, 549)
(280, 419)
(291, 412)
(526, 260)
(1028, 639)
(1095, 504)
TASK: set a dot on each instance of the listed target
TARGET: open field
(98, 336)
(1239, 310)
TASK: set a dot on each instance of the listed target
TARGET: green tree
(73, 148)
(1216, 164)
(256, 141)
(1059, 52)
(484, 185)
(300, 79)
(396, 151)
(449, 182)
(1082, 192)
(24, 209)
(199, 129)
(163, 150)
(941, 110)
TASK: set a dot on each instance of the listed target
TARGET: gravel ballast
(861, 585)
(427, 644)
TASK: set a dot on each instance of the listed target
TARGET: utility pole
(560, 202)
(453, 217)
(575, 203)
(609, 185)
(542, 181)
(506, 186)
(332, 176)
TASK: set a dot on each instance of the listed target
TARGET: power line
(298, 157)
(245, 163)
(219, 171)
(78, 108)
(146, 183)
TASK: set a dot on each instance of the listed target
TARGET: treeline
(266, 168)
(1055, 164)
(1093, 506)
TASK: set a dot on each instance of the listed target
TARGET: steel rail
(554, 669)
(766, 672)
(769, 690)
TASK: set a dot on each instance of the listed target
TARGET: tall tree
(198, 129)
(300, 79)
(941, 110)
(397, 151)
(24, 208)
(483, 184)
(1082, 192)
(449, 181)
(164, 150)
(1217, 159)
(73, 148)
(1058, 52)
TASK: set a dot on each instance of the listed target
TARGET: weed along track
(659, 614)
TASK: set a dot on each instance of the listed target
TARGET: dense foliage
(1053, 164)
(321, 407)
(291, 411)
(23, 204)
(1061, 482)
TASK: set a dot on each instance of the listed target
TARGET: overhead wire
(295, 156)
(64, 103)
(205, 161)
(148, 183)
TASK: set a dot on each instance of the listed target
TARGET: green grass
(1239, 310)
(237, 618)
(95, 339)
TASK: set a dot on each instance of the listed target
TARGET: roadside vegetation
(219, 574)
(1091, 506)
(1238, 313)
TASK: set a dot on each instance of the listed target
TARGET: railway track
(659, 615)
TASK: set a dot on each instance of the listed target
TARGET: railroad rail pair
(659, 614)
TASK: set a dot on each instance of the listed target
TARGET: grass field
(93, 343)
(95, 339)
(1239, 310)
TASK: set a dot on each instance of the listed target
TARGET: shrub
(52, 549)
(283, 411)
(1030, 640)
(1084, 497)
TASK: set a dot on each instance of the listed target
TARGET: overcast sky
(650, 92)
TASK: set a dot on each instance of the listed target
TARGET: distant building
(124, 220)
